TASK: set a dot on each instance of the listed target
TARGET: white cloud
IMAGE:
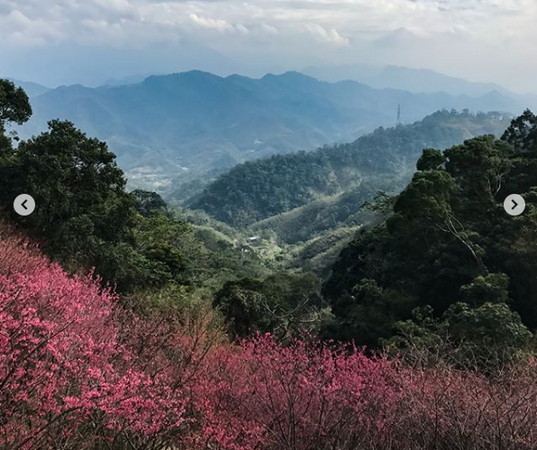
(212, 24)
(331, 36)
(473, 38)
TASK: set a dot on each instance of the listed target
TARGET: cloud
(331, 36)
(212, 24)
(473, 38)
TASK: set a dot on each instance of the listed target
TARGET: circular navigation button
(24, 205)
(514, 205)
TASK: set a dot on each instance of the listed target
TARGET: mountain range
(405, 78)
(171, 129)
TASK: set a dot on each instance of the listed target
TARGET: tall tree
(14, 104)
(14, 108)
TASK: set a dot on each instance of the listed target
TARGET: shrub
(79, 370)
(75, 368)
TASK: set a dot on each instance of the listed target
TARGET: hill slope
(382, 160)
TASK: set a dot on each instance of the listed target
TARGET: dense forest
(449, 254)
(128, 324)
(383, 160)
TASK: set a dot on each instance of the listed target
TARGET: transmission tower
(398, 115)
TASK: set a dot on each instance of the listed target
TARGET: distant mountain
(125, 81)
(383, 160)
(32, 89)
(412, 80)
(175, 128)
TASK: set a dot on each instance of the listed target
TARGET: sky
(91, 42)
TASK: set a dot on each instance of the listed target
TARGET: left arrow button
(24, 205)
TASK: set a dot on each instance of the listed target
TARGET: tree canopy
(448, 241)
(383, 160)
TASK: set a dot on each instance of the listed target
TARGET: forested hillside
(86, 219)
(449, 256)
(383, 160)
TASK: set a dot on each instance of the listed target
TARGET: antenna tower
(398, 115)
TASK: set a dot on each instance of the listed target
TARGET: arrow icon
(24, 205)
(514, 205)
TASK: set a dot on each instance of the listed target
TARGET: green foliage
(124, 267)
(83, 213)
(522, 133)
(367, 313)
(430, 159)
(448, 239)
(319, 254)
(382, 160)
(164, 241)
(485, 338)
(492, 288)
(487, 328)
(14, 108)
(317, 217)
(244, 308)
(73, 178)
(443, 248)
(191, 308)
(14, 104)
(148, 203)
(283, 303)
(382, 202)
(427, 196)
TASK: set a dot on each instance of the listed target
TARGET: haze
(95, 41)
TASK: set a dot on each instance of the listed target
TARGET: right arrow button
(514, 205)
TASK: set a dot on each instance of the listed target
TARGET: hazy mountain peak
(416, 80)
(290, 75)
(191, 75)
(31, 89)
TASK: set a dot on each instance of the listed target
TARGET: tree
(256, 190)
(148, 203)
(367, 314)
(430, 159)
(522, 133)
(480, 166)
(78, 189)
(14, 108)
(244, 307)
(77, 368)
(284, 304)
(492, 288)
(80, 370)
(14, 104)
(487, 338)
